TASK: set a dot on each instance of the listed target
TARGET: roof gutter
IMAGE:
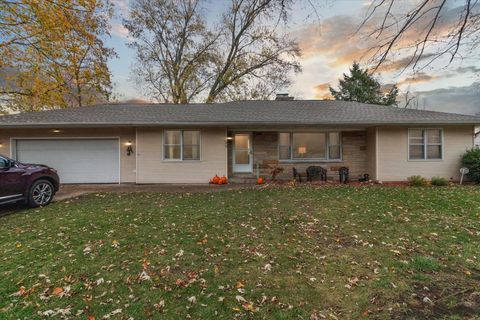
(226, 124)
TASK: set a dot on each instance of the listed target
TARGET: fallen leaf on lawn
(239, 285)
(192, 299)
(180, 283)
(267, 267)
(240, 299)
(249, 307)
(57, 311)
(57, 291)
(22, 292)
(143, 276)
(159, 306)
(204, 240)
(353, 281)
(427, 300)
(179, 254)
(87, 250)
(114, 312)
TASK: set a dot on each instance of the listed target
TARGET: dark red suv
(32, 183)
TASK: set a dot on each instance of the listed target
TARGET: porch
(254, 153)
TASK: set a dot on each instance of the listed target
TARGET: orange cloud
(322, 91)
(420, 77)
(337, 39)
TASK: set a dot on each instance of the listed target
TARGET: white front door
(242, 152)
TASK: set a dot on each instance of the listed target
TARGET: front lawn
(281, 253)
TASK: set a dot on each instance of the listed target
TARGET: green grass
(285, 253)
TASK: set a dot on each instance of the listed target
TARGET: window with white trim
(425, 144)
(309, 146)
(181, 145)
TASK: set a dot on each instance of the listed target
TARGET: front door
(242, 152)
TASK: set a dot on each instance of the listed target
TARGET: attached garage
(77, 160)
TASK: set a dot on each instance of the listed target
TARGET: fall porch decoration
(219, 180)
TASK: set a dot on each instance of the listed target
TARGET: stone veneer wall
(265, 152)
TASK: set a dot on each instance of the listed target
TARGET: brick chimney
(283, 97)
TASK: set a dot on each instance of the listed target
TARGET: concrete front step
(243, 179)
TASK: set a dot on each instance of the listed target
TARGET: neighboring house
(162, 143)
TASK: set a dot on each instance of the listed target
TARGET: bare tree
(174, 48)
(410, 100)
(428, 30)
(182, 58)
(256, 52)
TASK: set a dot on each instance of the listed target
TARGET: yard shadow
(8, 209)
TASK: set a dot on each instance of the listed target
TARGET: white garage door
(77, 160)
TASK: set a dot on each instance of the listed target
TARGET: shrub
(439, 182)
(417, 181)
(471, 160)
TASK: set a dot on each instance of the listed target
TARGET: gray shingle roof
(306, 112)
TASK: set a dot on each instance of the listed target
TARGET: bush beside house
(471, 160)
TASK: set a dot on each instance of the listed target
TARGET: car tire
(40, 194)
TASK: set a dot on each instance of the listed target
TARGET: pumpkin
(216, 179)
(223, 180)
(260, 180)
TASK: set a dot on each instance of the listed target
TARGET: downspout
(376, 154)
(475, 135)
(136, 155)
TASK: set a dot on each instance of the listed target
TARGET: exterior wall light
(56, 131)
(129, 148)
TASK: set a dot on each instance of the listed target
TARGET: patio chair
(343, 174)
(316, 171)
(298, 175)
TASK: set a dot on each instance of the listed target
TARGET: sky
(326, 35)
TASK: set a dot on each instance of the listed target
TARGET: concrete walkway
(74, 190)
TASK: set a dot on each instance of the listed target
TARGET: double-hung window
(425, 144)
(309, 146)
(181, 145)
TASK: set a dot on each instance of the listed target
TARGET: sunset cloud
(337, 39)
(322, 91)
(420, 77)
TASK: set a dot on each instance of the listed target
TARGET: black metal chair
(343, 174)
(298, 175)
(316, 171)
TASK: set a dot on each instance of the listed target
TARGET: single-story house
(164, 143)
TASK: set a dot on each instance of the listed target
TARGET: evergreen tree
(362, 87)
